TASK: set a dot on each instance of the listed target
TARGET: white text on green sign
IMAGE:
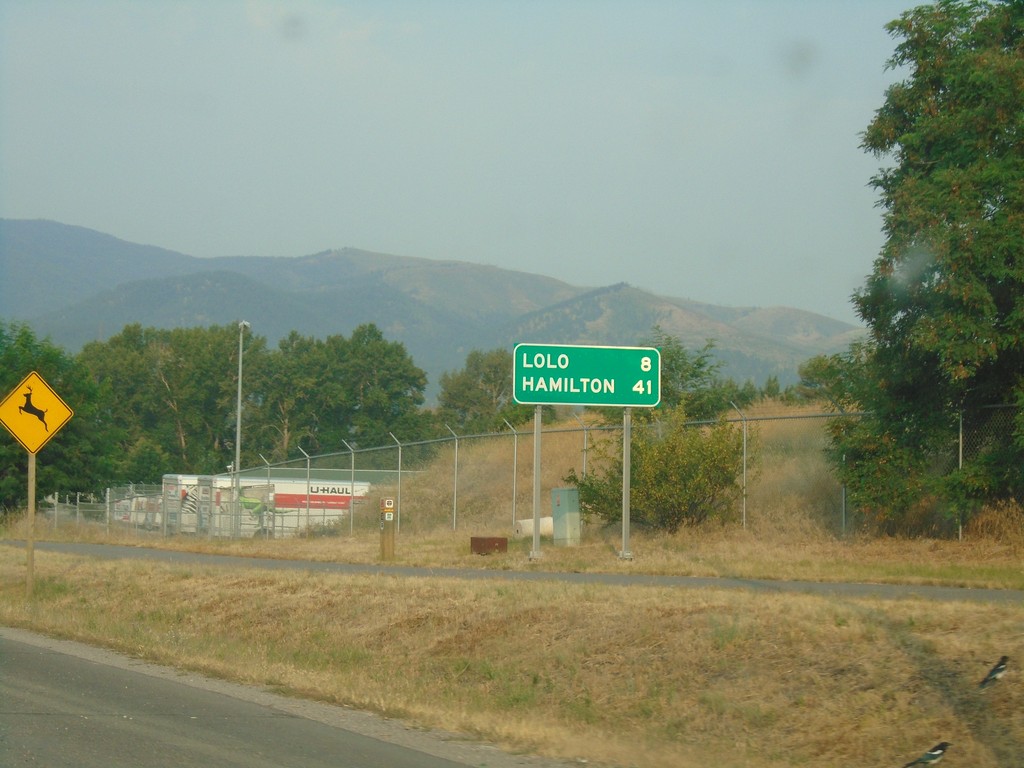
(550, 374)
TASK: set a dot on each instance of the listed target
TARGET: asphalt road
(833, 589)
(67, 705)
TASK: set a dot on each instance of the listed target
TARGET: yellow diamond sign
(33, 413)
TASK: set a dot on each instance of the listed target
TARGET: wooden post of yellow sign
(30, 544)
(33, 413)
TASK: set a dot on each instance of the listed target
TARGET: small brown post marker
(387, 529)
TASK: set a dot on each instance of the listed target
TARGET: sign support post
(627, 441)
(30, 543)
(537, 417)
(32, 422)
(550, 374)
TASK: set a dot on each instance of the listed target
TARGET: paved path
(837, 589)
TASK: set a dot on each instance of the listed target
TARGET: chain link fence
(482, 483)
(985, 430)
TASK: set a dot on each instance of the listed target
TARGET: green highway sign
(557, 374)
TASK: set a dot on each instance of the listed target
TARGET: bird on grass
(995, 673)
(932, 756)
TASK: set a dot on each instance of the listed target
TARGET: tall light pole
(307, 483)
(242, 325)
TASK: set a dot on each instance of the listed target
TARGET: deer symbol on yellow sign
(32, 410)
(33, 413)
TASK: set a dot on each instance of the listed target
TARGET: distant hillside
(46, 265)
(750, 343)
(76, 285)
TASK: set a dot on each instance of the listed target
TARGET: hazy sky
(705, 149)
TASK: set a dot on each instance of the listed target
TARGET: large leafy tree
(298, 392)
(946, 298)
(382, 386)
(945, 301)
(316, 393)
(171, 394)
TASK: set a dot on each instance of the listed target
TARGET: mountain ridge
(77, 285)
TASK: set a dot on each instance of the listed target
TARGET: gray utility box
(565, 516)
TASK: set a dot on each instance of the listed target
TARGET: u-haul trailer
(275, 506)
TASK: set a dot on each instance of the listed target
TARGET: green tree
(688, 379)
(299, 388)
(177, 389)
(145, 461)
(478, 398)
(771, 388)
(315, 394)
(945, 301)
(382, 386)
(171, 395)
(680, 475)
(883, 469)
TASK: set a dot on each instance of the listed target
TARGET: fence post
(843, 497)
(307, 483)
(263, 514)
(960, 466)
(744, 420)
(586, 436)
(351, 489)
(455, 484)
(515, 468)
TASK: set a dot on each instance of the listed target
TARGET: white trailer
(274, 506)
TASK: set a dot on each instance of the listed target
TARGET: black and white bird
(995, 673)
(932, 756)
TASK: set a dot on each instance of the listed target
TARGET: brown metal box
(485, 545)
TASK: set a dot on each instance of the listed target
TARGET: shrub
(681, 474)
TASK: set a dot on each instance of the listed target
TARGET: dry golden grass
(622, 676)
(643, 676)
